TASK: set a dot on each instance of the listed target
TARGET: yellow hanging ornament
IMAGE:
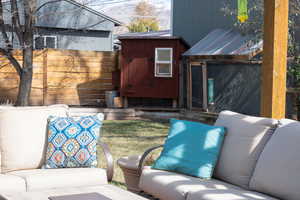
(243, 10)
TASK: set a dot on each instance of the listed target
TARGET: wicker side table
(129, 166)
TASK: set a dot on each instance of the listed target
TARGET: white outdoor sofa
(260, 160)
(23, 142)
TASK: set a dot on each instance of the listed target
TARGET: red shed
(150, 69)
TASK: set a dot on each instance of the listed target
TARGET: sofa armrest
(144, 156)
(109, 161)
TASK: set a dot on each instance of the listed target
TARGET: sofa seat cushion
(227, 194)
(10, 183)
(23, 137)
(168, 185)
(278, 169)
(244, 141)
(42, 179)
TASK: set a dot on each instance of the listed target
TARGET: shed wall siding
(138, 61)
(237, 87)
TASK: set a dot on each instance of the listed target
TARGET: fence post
(45, 77)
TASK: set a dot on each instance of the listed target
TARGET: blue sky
(123, 10)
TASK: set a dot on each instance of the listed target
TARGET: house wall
(81, 40)
(13, 38)
(75, 40)
(194, 19)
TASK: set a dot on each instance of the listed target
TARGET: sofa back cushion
(23, 136)
(278, 169)
(11, 107)
(244, 141)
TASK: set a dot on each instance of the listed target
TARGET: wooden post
(174, 103)
(273, 96)
(204, 77)
(45, 77)
(189, 86)
(125, 103)
(181, 85)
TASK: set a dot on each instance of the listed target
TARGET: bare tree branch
(16, 21)
(12, 60)
(28, 25)
(44, 4)
(2, 27)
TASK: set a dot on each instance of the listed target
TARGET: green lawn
(131, 137)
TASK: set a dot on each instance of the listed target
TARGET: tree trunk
(27, 71)
(24, 89)
(25, 78)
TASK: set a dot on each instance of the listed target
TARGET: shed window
(163, 62)
(41, 42)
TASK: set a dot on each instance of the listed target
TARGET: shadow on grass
(118, 184)
(139, 137)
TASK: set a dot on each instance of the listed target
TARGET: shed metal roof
(152, 35)
(163, 33)
(224, 44)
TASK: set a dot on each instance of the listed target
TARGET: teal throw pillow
(72, 141)
(191, 148)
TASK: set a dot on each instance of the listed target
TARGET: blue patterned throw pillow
(72, 141)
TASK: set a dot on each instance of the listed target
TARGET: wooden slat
(74, 91)
(273, 97)
(80, 53)
(78, 69)
(85, 76)
(82, 61)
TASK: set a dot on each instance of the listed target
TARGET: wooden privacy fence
(63, 76)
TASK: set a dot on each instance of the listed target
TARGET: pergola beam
(273, 96)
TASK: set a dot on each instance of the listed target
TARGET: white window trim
(156, 73)
(45, 41)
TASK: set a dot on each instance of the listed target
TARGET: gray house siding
(86, 41)
(80, 40)
(194, 19)
(74, 40)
